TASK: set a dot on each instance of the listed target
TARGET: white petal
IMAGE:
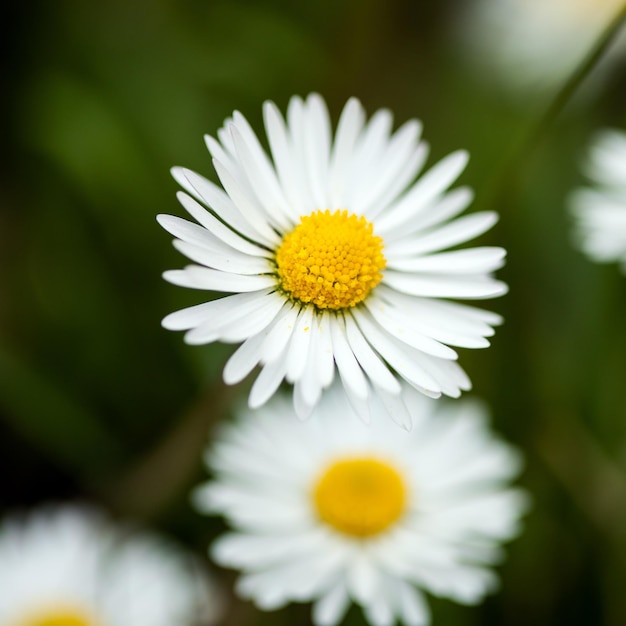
(317, 148)
(397, 184)
(196, 277)
(413, 608)
(297, 357)
(351, 374)
(248, 205)
(452, 286)
(178, 174)
(379, 608)
(360, 406)
(607, 155)
(187, 231)
(372, 365)
(248, 508)
(217, 200)
(260, 173)
(309, 392)
(224, 151)
(450, 376)
(260, 550)
(402, 328)
(324, 362)
(449, 322)
(243, 360)
(400, 356)
(445, 208)
(402, 145)
(257, 321)
(309, 384)
(279, 335)
(348, 131)
(284, 159)
(425, 190)
(195, 315)
(466, 585)
(332, 606)
(470, 261)
(297, 133)
(298, 579)
(225, 138)
(395, 407)
(459, 231)
(362, 577)
(367, 154)
(223, 260)
(217, 228)
(266, 383)
(302, 406)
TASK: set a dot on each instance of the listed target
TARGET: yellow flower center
(58, 616)
(332, 260)
(360, 496)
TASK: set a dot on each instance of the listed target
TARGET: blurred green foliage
(97, 401)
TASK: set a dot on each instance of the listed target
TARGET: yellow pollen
(58, 616)
(360, 496)
(332, 260)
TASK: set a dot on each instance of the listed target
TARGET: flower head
(69, 566)
(332, 511)
(333, 254)
(600, 210)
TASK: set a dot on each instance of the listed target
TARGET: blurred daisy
(332, 511)
(534, 44)
(68, 566)
(334, 258)
(600, 210)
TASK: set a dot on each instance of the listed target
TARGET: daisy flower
(533, 45)
(333, 254)
(600, 210)
(333, 511)
(68, 566)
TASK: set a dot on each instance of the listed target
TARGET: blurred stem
(533, 139)
(577, 78)
(593, 480)
(597, 485)
(146, 488)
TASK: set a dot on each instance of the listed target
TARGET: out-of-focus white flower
(600, 210)
(533, 45)
(333, 511)
(334, 254)
(69, 566)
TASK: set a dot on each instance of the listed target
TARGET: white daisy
(600, 210)
(68, 566)
(332, 511)
(533, 45)
(334, 257)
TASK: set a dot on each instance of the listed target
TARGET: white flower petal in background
(534, 45)
(332, 512)
(600, 209)
(70, 566)
(336, 256)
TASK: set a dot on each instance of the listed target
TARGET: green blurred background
(97, 401)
